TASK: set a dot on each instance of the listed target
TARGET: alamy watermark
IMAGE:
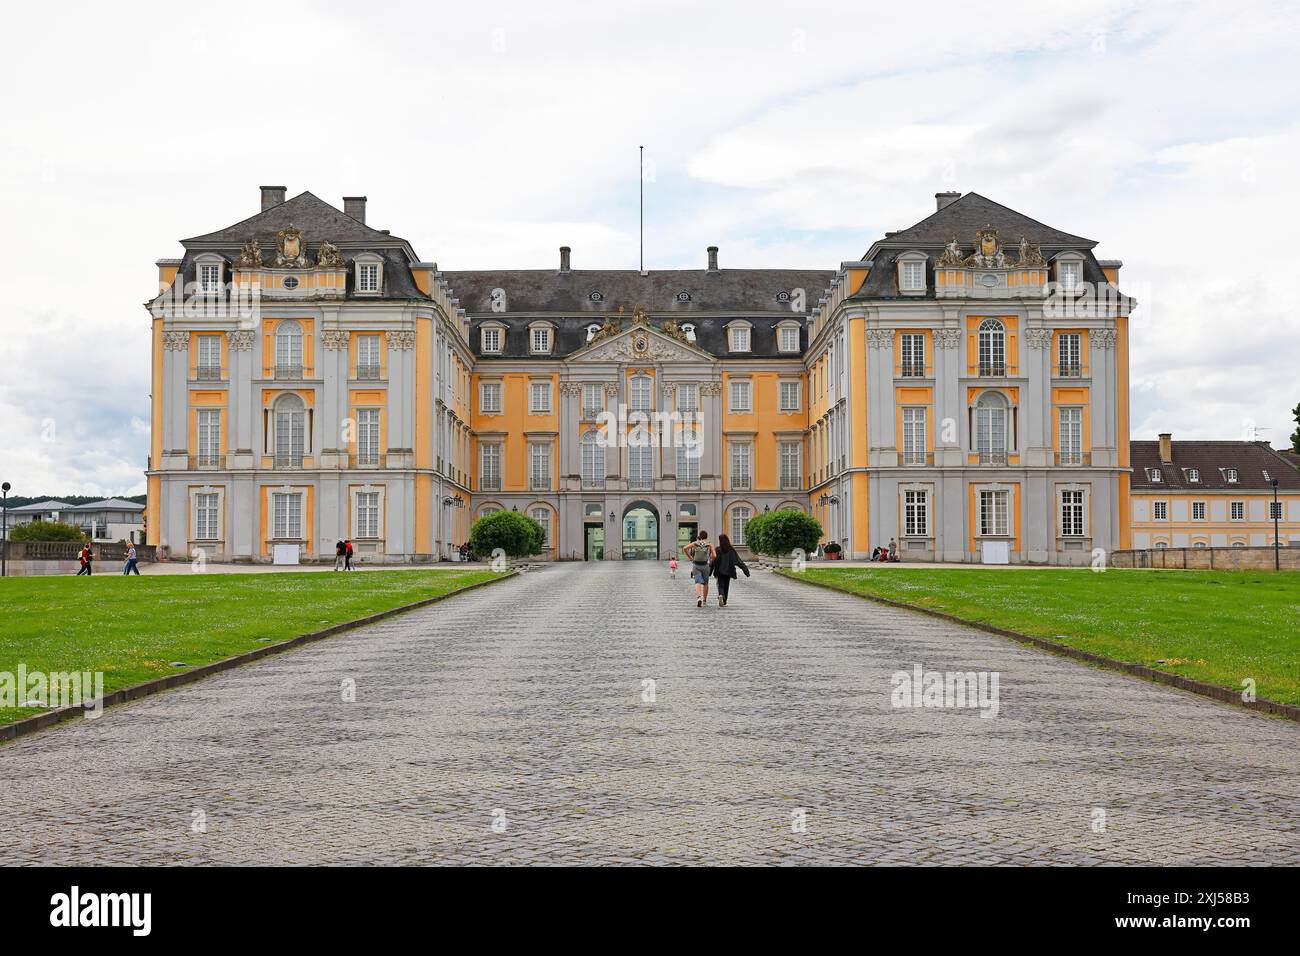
(948, 689)
(26, 688)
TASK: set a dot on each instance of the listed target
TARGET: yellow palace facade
(961, 390)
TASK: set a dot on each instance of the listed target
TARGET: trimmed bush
(46, 531)
(780, 532)
(515, 534)
(832, 548)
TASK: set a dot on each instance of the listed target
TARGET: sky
(788, 134)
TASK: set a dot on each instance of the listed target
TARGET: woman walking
(724, 567)
(701, 554)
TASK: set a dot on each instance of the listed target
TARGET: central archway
(640, 532)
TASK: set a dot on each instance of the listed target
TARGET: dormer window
(911, 273)
(540, 340)
(210, 276)
(369, 275)
(1193, 475)
(689, 329)
(1231, 475)
(738, 336)
(491, 340)
(1154, 475)
(788, 337)
(1070, 275)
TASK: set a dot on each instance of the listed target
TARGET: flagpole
(642, 178)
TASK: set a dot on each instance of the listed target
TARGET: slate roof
(882, 280)
(571, 335)
(732, 291)
(1251, 459)
(108, 504)
(48, 504)
(314, 216)
(964, 216)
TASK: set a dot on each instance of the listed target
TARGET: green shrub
(780, 532)
(515, 534)
(46, 531)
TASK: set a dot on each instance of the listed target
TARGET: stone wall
(1207, 559)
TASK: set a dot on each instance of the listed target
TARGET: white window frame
(741, 472)
(369, 507)
(740, 338)
(740, 394)
(791, 388)
(994, 513)
(1069, 355)
(369, 275)
(992, 438)
(740, 518)
(367, 444)
(490, 464)
(1073, 512)
(790, 465)
(539, 398)
(911, 354)
(1236, 511)
(207, 434)
(640, 393)
(593, 399)
(492, 339)
(489, 398)
(1159, 511)
(543, 517)
(539, 339)
(688, 458)
(911, 274)
(210, 275)
(207, 507)
(787, 337)
(916, 513)
(592, 460)
(208, 355)
(1200, 511)
(1069, 275)
(289, 344)
(287, 505)
(539, 466)
(991, 351)
(1069, 420)
(368, 352)
(640, 466)
(914, 447)
(688, 398)
(1276, 511)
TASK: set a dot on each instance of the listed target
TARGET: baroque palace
(962, 390)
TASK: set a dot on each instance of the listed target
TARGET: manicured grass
(134, 628)
(1215, 626)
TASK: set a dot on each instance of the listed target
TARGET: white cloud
(491, 134)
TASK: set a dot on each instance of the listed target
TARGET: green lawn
(1215, 626)
(134, 628)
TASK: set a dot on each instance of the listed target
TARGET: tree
(46, 531)
(780, 532)
(1295, 435)
(515, 534)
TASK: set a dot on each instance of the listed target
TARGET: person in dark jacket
(724, 567)
(86, 558)
(347, 555)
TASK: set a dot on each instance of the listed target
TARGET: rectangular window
(209, 436)
(789, 396)
(1198, 510)
(1071, 435)
(914, 450)
(993, 513)
(209, 366)
(368, 514)
(1068, 355)
(912, 345)
(741, 473)
(1072, 513)
(593, 400)
(789, 338)
(916, 514)
(1275, 511)
(740, 516)
(205, 516)
(914, 276)
(741, 397)
(1160, 510)
(688, 398)
(740, 338)
(286, 509)
(688, 459)
(541, 340)
(1237, 510)
(1071, 275)
(491, 340)
(489, 473)
(489, 397)
(368, 437)
(543, 517)
(640, 393)
(539, 398)
(791, 465)
(539, 467)
(210, 277)
(640, 466)
(367, 356)
(368, 277)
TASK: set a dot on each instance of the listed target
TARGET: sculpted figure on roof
(329, 256)
(250, 255)
(952, 254)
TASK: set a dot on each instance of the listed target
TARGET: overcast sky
(491, 133)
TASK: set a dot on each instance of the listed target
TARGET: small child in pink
(672, 566)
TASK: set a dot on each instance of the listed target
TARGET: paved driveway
(510, 726)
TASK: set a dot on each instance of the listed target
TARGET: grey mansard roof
(733, 291)
(314, 216)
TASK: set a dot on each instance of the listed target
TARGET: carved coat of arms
(291, 248)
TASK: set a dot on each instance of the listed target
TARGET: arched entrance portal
(640, 532)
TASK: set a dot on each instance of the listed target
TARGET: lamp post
(1277, 517)
(4, 529)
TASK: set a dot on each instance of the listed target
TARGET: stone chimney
(945, 199)
(713, 258)
(272, 196)
(564, 258)
(1166, 448)
(355, 206)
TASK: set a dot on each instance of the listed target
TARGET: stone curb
(29, 725)
(1225, 695)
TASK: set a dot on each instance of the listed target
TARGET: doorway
(594, 536)
(640, 532)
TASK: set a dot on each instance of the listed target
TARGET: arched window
(288, 350)
(593, 460)
(992, 348)
(991, 414)
(290, 431)
(543, 517)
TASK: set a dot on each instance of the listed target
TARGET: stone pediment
(640, 343)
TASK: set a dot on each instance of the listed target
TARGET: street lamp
(4, 529)
(1277, 517)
